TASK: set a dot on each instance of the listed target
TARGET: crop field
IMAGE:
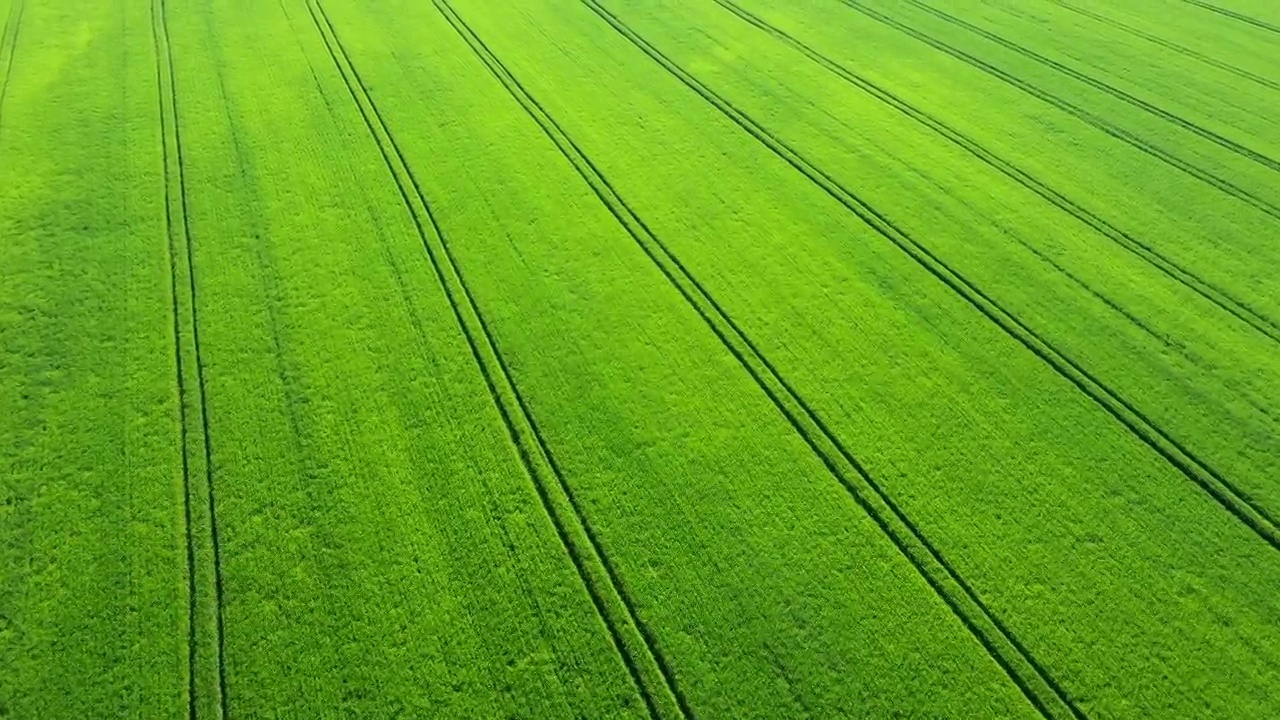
(663, 359)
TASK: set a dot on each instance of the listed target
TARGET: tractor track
(175, 173)
(1143, 250)
(1221, 141)
(1225, 186)
(182, 390)
(1169, 44)
(8, 48)
(565, 513)
(942, 577)
(1180, 457)
(1235, 15)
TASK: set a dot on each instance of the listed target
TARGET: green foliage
(619, 358)
(92, 570)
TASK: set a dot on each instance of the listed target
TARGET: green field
(640, 358)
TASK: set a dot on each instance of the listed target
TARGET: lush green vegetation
(93, 581)
(612, 358)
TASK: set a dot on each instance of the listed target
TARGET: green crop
(639, 358)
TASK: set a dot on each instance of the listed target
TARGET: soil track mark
(1142, 249)
(1179, 456)
(201, 522)
(633, 640)
(1097, 121)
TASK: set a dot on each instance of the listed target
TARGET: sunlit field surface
(640, 358)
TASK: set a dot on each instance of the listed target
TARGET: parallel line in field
(169, 122)
(1234, 15)
(844, 468)
(631, 637)
(1143, 250)
(406, 297)
(1180, 457)
(1040, 688)
(1115, 92)
(1106, 126)
(182, 389)
(1169, 44)
(9, 48)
